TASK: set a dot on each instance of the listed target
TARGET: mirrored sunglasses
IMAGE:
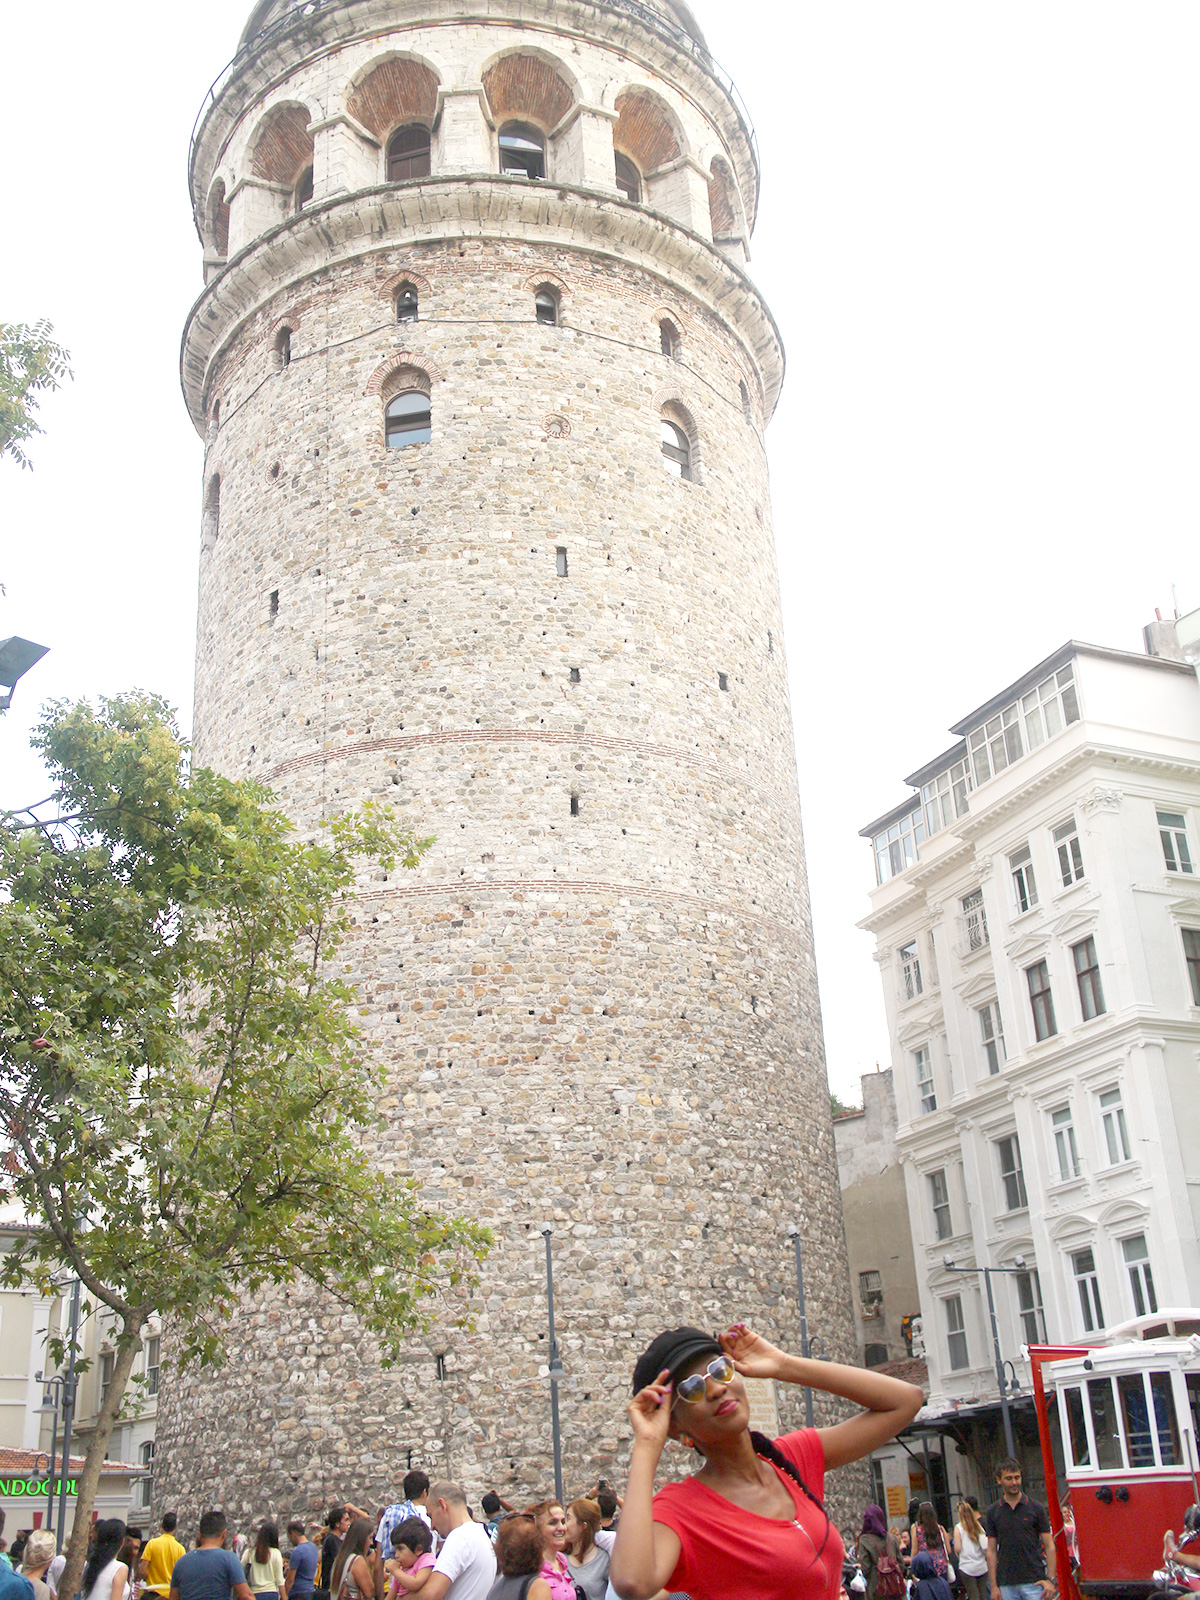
(692, 1389)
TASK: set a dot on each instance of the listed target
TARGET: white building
(1037, 918)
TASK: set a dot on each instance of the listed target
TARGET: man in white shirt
(466, 1565)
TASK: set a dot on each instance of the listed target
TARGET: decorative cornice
(1099, 799)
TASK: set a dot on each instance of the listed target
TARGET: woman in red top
(751, 1521)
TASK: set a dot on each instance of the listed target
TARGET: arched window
(745, 394)
(407, 419)
(668, 338)
(283, 348)
(304, 189)
(406, 303)
(210, 525)
(408, 153)
(545, 305)
(522, 150)
(629, 179)
(676, 450)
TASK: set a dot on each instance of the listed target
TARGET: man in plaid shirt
(416, 1496)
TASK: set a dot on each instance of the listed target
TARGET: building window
(945, 797)
(1011, 1174)
(1083, 1265)
(1191, 954)
(545, 306)
(560, 561)
(406, 303)
(974, 918)
(147, 1483)
(283, 349)
(956, 1333)
(153, 1346)
(1066, 1155)
(304, 190)
(744, 397)
(1070, 855)
(668, 338)
(923, 1062)
(676, 449)
(1029, 1306)
(1025, 889)
(897, 848)
(210, 525)
(1137, 1264)
(1087, 976)
(939, 1195)
(408, 420)
(522, 150)
(1112, 1121)
(106, 1376)
(629, 179)
(870, 1290)
(910, 971)
(874, 1355)
(408, 153)
(1172, 830)
(991, 1029)
(1051, 707)
(996, 745)
(1041, 1000)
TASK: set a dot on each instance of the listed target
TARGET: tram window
(1166, 1423)
(1105, 1429)
(1193, 1394)
(1054, 1425)
(1135, 1414)
(1080, 1454)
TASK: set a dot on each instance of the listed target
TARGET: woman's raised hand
(650, 1412)
(750, 1353)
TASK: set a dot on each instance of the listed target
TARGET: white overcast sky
(979, 235)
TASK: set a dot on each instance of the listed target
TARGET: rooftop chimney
(1162, 640)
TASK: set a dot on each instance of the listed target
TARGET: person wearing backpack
(879, 1557)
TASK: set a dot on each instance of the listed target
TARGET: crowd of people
(749, 1521)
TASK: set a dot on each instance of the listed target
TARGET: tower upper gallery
(620, 102)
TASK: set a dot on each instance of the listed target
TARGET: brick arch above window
(395, 376)
(528, 87)
(537, 280)
(646, 131)
(397, 90)
(387, 289)
(282, 145)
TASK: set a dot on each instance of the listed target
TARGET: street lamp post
(556, 1371)
(1001, 1381)
(793, 1234)
(52, 1392)
(68, 1415)
(16, 658)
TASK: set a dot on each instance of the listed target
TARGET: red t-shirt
(728, 1553)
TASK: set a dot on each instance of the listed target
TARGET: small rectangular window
(575, 678)
(870, 1288)
(106, 1376)
(923, 1062)
(273, 603)
(1011, 1174)
(1141, 1282)
(1021, 866)
(1041, 1000)
(939, 1195)
(1083, 1265)
(1112, 1123)
(956, 1333)
(722, 680)
(1087, 976)
(1172, 830)
(910, 971)
(574, 805)
(1191, 954)
(153, 1347)
(1070, 855)
(992, 1030)
(560, 560)
(1066, 1155)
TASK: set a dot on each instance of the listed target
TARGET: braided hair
(770, 1451)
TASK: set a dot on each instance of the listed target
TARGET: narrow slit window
(304, 190)
(406, 303)
(273, 603)
(745, 397)
(668, 338)
(210, 525)
(408, 420)
(722, 680)
(283, 349)
(574, 805)
(575, 677)
(545, 306)
(560, 560)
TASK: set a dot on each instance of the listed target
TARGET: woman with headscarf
(875, 1542)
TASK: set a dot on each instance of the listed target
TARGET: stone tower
(487, 533)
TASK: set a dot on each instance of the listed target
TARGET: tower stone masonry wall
(609, 1020)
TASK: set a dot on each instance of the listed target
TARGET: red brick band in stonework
(412, 741)
(520, 888)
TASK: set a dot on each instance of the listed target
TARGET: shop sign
(14, 1488)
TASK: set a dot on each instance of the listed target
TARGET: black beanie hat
(673, 1350)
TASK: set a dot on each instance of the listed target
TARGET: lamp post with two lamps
(556, 1370)
(52, 1399)
(1001, 1380)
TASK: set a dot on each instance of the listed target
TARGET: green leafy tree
(174, 1022)
(30, 362)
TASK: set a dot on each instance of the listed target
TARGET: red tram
(1120, 1421)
